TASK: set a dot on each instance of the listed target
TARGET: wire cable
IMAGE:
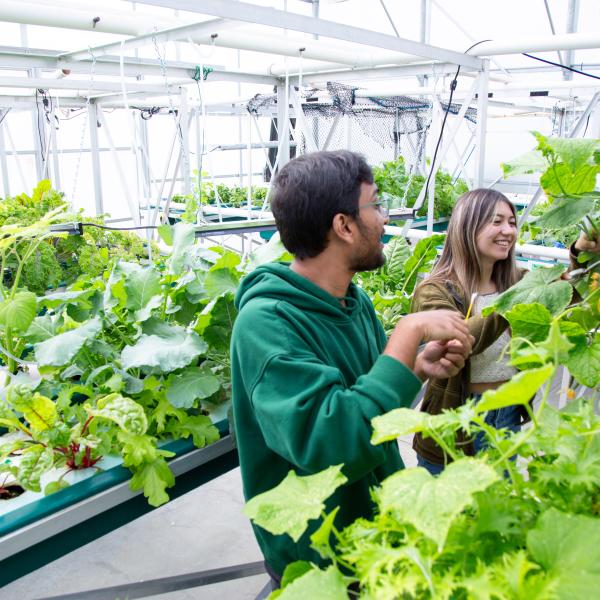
(549, 62)
(453, 85)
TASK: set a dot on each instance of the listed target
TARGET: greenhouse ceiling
(150, 48)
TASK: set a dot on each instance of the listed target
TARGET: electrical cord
(549, 62)
(453, 85)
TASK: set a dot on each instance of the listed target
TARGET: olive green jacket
(443, 394)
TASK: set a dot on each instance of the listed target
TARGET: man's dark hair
(309, 191)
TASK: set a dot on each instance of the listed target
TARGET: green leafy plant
(18, 245)
(569, 168)
(54, 434)
(60, 260)
(392, 286)
(156, 336)
(472, 532)
(489, 526)
(393, 179)
(207, 193)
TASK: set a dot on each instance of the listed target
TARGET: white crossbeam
(244, 11)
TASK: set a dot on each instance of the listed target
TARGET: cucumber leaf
(288, 507)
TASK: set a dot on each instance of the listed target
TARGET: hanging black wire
(565, 67)
(453, 85)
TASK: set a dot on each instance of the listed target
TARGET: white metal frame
(330, 49)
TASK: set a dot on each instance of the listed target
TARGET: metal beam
(18, 58)
(172, 34)
(371, 74)
(285, 20)
(83, 86)
(283, 132)
(72, 16)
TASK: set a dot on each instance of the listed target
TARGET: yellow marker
(473, 296)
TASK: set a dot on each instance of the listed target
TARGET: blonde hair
(460, 260)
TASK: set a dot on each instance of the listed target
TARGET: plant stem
(442, 444)
(32, 248)
(508, 463)
(513, 449)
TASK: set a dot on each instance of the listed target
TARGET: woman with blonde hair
(478, 263)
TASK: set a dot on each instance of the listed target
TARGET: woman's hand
(585, 244)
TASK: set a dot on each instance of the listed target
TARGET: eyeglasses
(382, 206)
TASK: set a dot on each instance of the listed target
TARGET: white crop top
(487, 366)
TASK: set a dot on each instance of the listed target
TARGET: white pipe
(546, 43)
(73, 16)
(565, 41)
(165, 35)
(525, 86)
(83, 86)
(528, 250)
(354, 60)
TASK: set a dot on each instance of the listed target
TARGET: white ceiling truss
(105, 76)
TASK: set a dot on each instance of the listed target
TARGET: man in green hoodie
(311, 365)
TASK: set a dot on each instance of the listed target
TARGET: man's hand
(442, 359)
(441, 325)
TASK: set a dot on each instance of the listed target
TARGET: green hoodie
(308, 376)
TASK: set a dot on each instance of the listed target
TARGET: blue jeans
(508, 417)
(433, 468)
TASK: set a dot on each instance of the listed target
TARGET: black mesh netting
(379, 128)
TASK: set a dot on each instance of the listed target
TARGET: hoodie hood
(278, 281)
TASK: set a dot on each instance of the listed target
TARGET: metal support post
(482, 106)
(145, 162)
(184, 122)
(572, 20)
(3, 162)
(436, 123)
(95, 155)
(55, 158)
(425, 31)
(249, 157)
(133, 206)
(282, 128)
(241, 154)
(199, 150)
(301, 120)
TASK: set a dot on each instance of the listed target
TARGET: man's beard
(368, 263)
(371, 256)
